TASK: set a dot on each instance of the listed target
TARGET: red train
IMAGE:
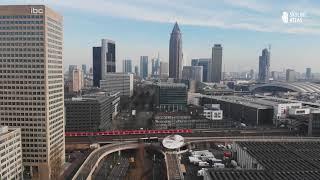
(129, 132)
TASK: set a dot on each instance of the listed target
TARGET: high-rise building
(77, 80)
(144, 67)
(290, 75)
(72, 67)
(31, 95)
(108, 57)
(127, 66)
(175, 53)
(96, 57)
(84, 68)
(204, 62)
(275, 75)
(164, 69)
(264, 66)
(91, 112)
(186, 73)
(308, 74)
(155, 69)
(216, 63)
(11, 153)
(118, 82)
(104, 60)
(251, 74)
(136, 70)
(192, 73)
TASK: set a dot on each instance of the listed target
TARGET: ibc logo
(36, 11)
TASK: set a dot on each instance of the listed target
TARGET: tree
(56, 168)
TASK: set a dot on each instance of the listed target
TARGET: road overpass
(91, 163)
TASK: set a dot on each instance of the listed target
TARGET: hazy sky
(143, 27)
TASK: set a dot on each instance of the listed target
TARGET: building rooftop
(280, 160)
(165, 84)
(285, 156)
(302, 87)
(239, 174)
(251, 102)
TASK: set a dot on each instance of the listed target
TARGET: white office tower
(118, 82)
(31, 85)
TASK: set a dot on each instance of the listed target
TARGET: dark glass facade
(171, 97)
(144, 67)
(111, 57)
(96, 57)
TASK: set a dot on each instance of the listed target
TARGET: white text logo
(36, 11)
(293, 17)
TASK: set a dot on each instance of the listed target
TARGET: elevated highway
(195, 133)
(91, 163)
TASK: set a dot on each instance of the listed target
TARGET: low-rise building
(92, 112)
(171, 97)
(243, 109)
(118, 82)
(265, 160)
(10, 153)
(179, 120)
(213, 112)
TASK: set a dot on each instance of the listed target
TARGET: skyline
(148, 32)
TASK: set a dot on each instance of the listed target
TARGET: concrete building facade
(213, 112)
(31, 84)
(308, 74)
(164, 69)
(77, 80)
(10, 153)
(216, 64)
(91, 113)
(118, 82)
(127, 66)
(204, 62)
(136, 70)
(192, 73)
(290, 75)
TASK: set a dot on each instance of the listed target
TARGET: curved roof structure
(173, 141)
(302, 87)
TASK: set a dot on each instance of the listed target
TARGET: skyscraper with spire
(175, 53)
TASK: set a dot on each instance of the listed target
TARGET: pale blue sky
(142, 27)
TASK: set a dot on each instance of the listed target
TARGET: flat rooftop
(280, 161)
(285, 156)
(246, 101)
